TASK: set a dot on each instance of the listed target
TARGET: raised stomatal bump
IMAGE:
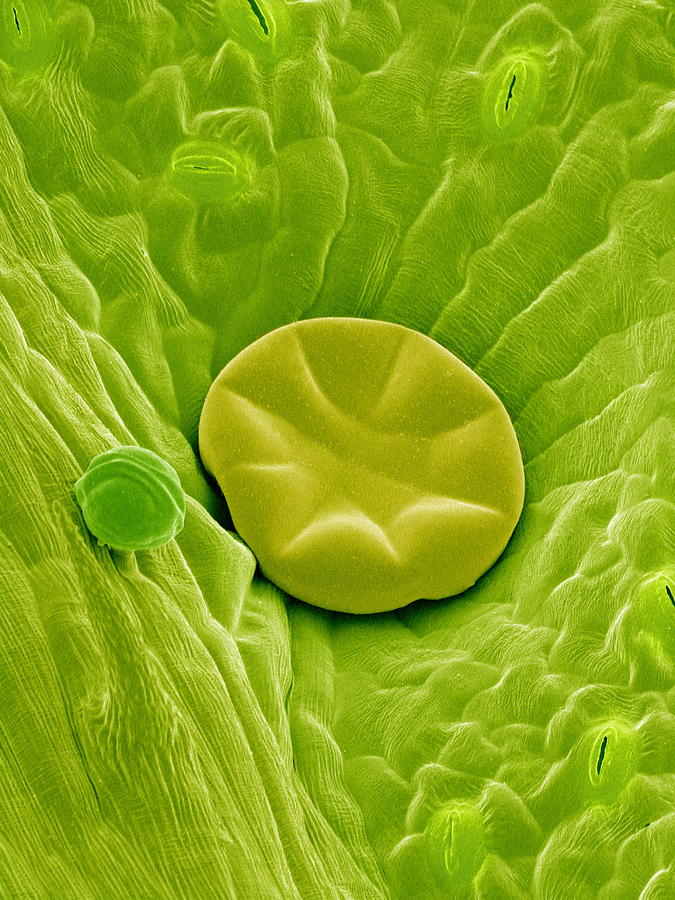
(455, 844)
(26, 34)
(208, 171)
(649, 632)
(513, 95)
(612, 760)
(262, 27)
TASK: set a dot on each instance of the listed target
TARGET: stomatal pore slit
(513, 81)
(259, 16)
(603, 747)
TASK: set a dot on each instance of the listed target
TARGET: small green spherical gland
(131, 499)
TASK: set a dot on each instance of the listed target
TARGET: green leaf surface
(173, 185)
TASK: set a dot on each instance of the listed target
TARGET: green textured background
(174, 726)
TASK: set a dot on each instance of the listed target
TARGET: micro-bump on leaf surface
(497, 176)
